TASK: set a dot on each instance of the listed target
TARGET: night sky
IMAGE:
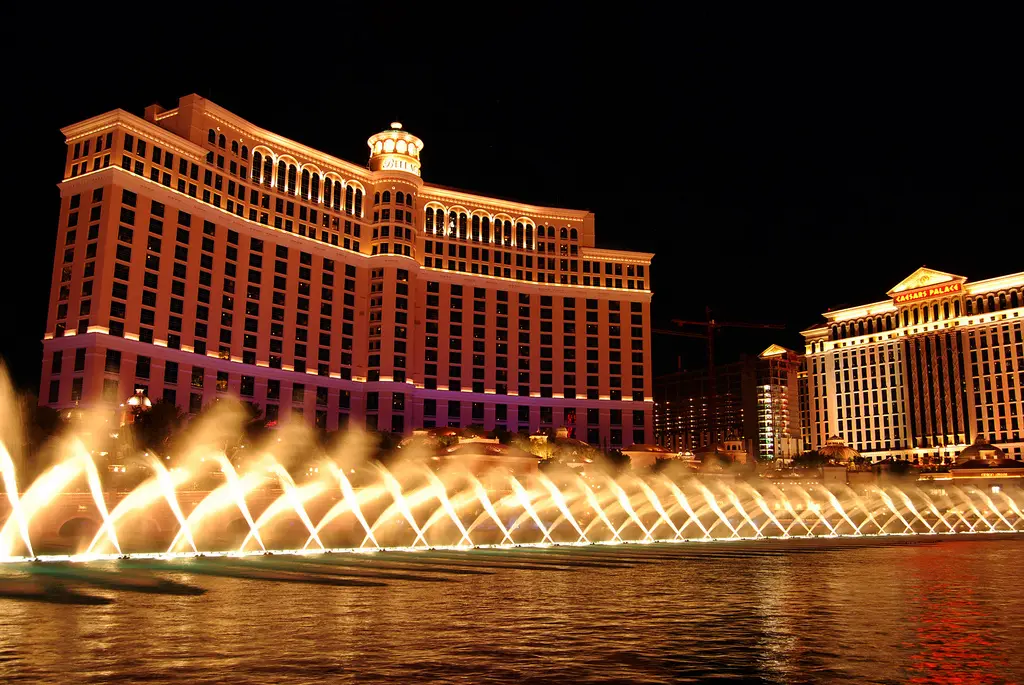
(774, 176)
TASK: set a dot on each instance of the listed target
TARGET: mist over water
(212, 491)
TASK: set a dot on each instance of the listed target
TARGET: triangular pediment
(923, 278)
(774, 351)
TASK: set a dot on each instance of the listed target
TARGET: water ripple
(942, 613)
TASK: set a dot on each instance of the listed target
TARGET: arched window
(551, 231)
(292, 173)
(945, 310)
(529, 237)
(222, 141)
(304, 187)
(574, 235)
(453, 222)
(430, 220)
(257, 166)
(956, 308)
(507, 233)
(327, 192)
(835, 332)
(282, 176)
(970, 306)
(376, 198)
(245, 152)
(408, 200)
(485, 229)
(268, 170)
(350, 195)
(400, 197)
(315, 188)
(991, 303)
(386, 197)
(1002, 300)
(359, 202)
(917, 316)
(234, 147)
(520, 238)
(211, 136)
(906, 318)
(337, 196)
(476, 228)
(563, 233)
(462, 226)
(1014, 299)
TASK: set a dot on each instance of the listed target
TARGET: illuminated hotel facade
(919, 375)
(199, 255)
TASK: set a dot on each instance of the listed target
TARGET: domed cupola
(395, 150)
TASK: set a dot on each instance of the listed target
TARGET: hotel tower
(923, 373)
(199, 255)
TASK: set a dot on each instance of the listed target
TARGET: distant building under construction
(756, 400)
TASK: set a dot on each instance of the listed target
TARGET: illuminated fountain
(288, 496)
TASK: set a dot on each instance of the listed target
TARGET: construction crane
(711, 327)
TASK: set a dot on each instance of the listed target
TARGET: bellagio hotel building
(920, 375)
(200, 256)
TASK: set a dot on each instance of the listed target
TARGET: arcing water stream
(251, 506)
(287, 495)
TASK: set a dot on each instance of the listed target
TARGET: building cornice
(282, 145)
(447, 196)
(995, 284)
(602, 254)
(279, 144)
(118, 117)
(838, 315)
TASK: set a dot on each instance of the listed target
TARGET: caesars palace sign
(927, 292)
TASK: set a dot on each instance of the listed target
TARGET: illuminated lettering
(927, 292)
(396, 163)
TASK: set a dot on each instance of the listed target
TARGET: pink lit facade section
(199, 255)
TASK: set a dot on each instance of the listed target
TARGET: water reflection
(938, 613)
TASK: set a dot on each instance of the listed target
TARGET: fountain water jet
(685, 504)
(624, 502)
(350, 501)
(559, 500)
(11, 486)
(441, 491)
(96, 488)
(709, 498)
(485, 502)
(524, 500)
(656, 503)
(395, 489)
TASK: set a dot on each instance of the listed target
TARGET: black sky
(777, 166)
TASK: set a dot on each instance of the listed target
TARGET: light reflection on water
(948, 612)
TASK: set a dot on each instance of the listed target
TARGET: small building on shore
(983, 461)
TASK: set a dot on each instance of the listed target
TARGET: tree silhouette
(154, 427)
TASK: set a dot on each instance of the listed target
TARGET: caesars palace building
(923, 373)
(200, 256)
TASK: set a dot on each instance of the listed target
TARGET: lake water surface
(947, 612)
